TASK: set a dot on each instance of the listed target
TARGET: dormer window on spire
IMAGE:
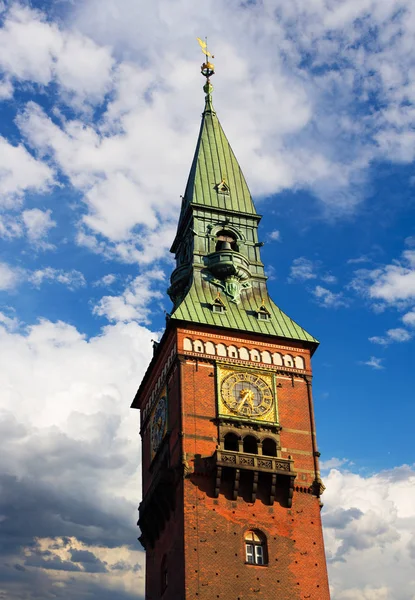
(263, 313)
(222, 187)
(218, 305)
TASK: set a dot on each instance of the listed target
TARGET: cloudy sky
(100, 103)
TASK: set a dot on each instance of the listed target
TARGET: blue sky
(100, 106)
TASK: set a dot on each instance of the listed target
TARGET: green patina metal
(216, 245)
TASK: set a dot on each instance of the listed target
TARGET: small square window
(217, 308)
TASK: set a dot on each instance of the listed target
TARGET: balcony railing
(255, 462)
(280, 482)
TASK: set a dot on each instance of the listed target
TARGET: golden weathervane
(208, 68)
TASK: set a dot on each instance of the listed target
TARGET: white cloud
(303, 269)
(329, 299)
(10, 227)
(374, 362)
(392, 335)
(105, 281)
(333, 463)
(71, 279)
(136, 303)
(393, 283)
(148, 113)
(368, 593)
(275, 235)
(359, 259)
(37, 223)
(369, 523)
(34, 49)
(308, 105)
(10, 323)
(73, 459)
(329, 278)
(20, 172)
(6, 89)
(409, 318)
(9, 277)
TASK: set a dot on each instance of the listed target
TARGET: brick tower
(231, 482)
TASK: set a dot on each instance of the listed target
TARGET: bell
(224, 246)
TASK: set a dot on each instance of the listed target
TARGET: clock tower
(231, 482)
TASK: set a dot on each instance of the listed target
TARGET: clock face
(158, 424)
(246, 394)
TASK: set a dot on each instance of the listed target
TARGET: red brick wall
(211, 561)
(171, 545)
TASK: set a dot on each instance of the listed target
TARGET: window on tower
(255, 548)
(269, 447)
(250, 444)
(164, 574)
(231, 442)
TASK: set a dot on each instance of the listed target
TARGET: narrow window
(250, 444)
(164, 574)
(255, 548)
(269, 447)
(231, 442)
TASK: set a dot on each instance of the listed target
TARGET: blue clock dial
(158, 424)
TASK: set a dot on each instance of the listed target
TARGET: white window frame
(254, 551)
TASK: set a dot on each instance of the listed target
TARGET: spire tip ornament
(207, 69)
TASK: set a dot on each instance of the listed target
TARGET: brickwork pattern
(204, 538)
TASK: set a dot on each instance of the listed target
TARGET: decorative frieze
(241, 353)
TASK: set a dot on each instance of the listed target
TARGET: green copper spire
(216, 247)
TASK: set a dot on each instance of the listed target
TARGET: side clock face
(158, 424)
(246, 394)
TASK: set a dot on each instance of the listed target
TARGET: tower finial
(208, 68)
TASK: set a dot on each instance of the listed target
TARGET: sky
(100, 104)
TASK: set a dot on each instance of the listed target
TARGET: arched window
(163, 575)
(243, 353)
(221, 350)
(299, 362)
(210, 348)
(277, 358)
(198, 346)
(232, 352)
(187, 344)
(288, 360)
(250, 444)
(269, 447)
(231, 442)
(255, 355)
(255, 548)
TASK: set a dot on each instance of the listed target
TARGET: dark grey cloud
(89, 562)
(55, 563)
(32, 509)
(20, 583)
(340, 518)
(53, 486)
(122, 565)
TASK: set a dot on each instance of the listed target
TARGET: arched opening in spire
(226, 240)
